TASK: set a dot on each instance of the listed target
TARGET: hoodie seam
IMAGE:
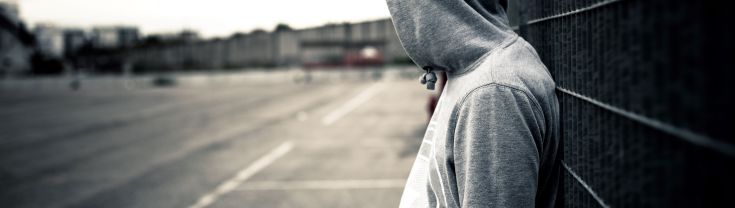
(479, 61)
(536, 106)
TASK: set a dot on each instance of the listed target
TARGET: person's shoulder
(515, 65)
(518, 66)
(511, 70)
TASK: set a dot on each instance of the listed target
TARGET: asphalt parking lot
(343, 144)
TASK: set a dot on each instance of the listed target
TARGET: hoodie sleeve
(496, 148)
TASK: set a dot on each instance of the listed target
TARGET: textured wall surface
(645, 89)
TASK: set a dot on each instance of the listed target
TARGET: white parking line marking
(355, 102)
(324, 184)
(243, 175)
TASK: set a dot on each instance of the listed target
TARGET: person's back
(493, 140)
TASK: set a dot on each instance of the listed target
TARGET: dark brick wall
(645, 89)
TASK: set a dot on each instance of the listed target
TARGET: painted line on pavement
(352, 104)
(324, 184)
(242, 175)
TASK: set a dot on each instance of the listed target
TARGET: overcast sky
(209, 17)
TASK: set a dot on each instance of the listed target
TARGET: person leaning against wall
(493, 139)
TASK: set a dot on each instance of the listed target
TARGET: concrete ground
(348, 144)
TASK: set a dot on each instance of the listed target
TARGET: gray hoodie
(493, 140)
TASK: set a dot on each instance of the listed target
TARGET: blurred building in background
(184, 36)
(287, 50)
(74, 40)
(9, 9)
(372, 43)
(50, 40)
(16, 42)
(362, 44)
(115, 49)
(113, 37)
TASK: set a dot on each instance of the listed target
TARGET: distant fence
(645, 89)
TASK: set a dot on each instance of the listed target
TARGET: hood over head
(450, 35)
